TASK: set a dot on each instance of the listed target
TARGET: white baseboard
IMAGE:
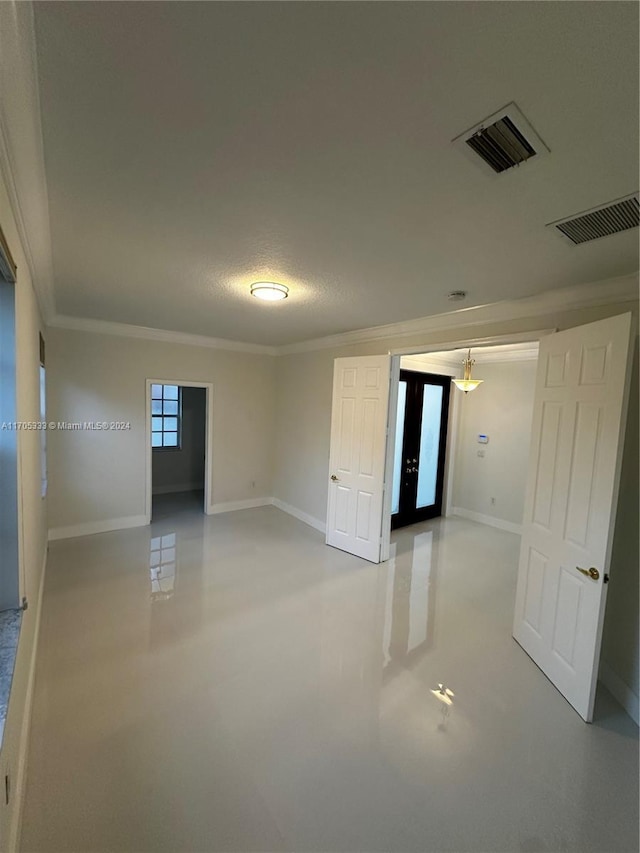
(620, 690)
(181, 487)
(232, 506)
(15, 824)
(491, 520)
(300, 515)
(91, 527)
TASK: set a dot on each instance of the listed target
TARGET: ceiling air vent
(610, 218)
(501, 141)
(501, 145)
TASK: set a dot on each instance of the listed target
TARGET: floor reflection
(410, 600)
(237, 685)
(163, 566)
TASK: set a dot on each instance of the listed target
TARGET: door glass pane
(397, 456)
(429, 444)
(170, 392)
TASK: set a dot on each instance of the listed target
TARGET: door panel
(421, 437)
(357, 454)
(574, 465)
(428, 456)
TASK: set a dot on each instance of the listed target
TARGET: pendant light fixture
(467, 384)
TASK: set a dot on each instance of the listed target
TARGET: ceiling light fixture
(467, 384)
(270, 291)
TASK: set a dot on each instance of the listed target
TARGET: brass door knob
(334, 478)
(592, 573)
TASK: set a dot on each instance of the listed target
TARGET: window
(166, 417)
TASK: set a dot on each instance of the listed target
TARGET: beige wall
(32, 524)
(502, 408)
(304, 386)
(96, 477)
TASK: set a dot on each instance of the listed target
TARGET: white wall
(502, 408)
(97, 479)
(32, 526)
(183, 469)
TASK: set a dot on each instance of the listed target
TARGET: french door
(421, 440)
(357, 456)
(579, 416)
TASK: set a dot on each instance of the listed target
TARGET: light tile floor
(230, 683)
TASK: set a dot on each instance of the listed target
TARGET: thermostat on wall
(483, 439)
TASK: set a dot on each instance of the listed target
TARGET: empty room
(319, 437)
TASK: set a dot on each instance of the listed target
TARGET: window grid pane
(165, 431)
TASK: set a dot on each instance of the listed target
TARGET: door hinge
(606, 579)
(24, 604)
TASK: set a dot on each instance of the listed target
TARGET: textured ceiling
(192, 148)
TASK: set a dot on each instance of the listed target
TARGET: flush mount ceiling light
(467, 384)
(270, 291)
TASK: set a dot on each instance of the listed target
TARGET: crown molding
(452, 359)
(509, 353)
(424, 362)
(125, 330)
(607, 292)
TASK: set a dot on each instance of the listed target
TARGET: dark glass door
(421, 440)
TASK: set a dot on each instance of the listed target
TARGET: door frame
(208, 441)
(454, 414)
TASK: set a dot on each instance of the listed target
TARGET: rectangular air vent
(501, 141)
(610, 218)
(501, 145)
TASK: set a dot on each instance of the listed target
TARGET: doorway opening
(465, 446)
(463, 454)
(179, 429)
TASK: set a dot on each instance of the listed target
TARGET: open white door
(574, 467)
(357, 455)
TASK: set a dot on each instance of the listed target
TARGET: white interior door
(574, 467)
(357, 455)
